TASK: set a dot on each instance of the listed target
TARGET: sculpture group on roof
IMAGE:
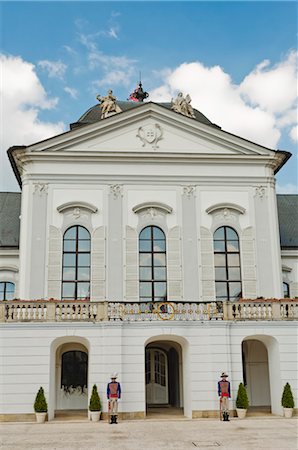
(182, 105)
(108, 105)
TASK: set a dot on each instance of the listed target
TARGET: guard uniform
(113, 394)
(224, 393)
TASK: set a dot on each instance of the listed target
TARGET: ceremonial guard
(224, 393)
(113, 394)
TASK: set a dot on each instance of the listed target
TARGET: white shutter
(207, 264)
(98, 267)
(55, 263)
(174, 263)
(248, 266)
(131, 265)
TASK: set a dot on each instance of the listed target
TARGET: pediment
(151, 128)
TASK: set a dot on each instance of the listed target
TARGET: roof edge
(14, 166)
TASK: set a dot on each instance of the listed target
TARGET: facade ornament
(108, 105)
(152, 212)
(40, 188)
(150, 134)
(138, 95)
(189, 190)
(116, 190)
(182, 105)
(260, 191)
(76, 213)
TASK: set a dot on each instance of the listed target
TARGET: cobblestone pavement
(209, 434)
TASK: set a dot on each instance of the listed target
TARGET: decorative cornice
(76, 206)
(9, 268)
(230, 206)
(151, 206)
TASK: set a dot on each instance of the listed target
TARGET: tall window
(227, 264)
(6, 290)
(76, 264)
(152, 266)
(286, 289)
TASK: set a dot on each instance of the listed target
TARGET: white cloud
(288, 188)
(257, 109)
(23, 97)
(72, 92)
(294, 133)
(55, 69)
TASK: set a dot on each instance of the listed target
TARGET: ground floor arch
(261, 372)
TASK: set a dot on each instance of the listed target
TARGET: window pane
(160, 273)
(83, 233)
(159, 246)
(83, 273)
(145, 259)
(146, 289)
(69, 259)
(159, 259)
(83, 290)
(145, 246)
(84, 245)
(145, 273)
(233, 260)
(221, 290)
(286, 290)
(69, 273)
(69, 246)
(235, 290)
(2, 284)
(146, 233)
(84, 259)
(231, 234)
(158, 233)
(219, 260)
(68, 290)
(233, 246)
(221, 273)
(219, 246)
(234, 273)
(160, 289)
(70, 233)
(219, 234)
(9, 295)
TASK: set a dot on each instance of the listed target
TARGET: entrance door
(156, 377)
(72, 389)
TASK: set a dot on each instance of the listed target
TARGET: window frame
(5, 291)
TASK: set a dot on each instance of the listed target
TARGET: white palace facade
(147, 241)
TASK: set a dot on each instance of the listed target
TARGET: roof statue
(138, 95)
(108, 105)
(182, 105)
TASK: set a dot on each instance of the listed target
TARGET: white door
(156, 377)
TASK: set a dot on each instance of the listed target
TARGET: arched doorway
(163, 377)
(256, 374)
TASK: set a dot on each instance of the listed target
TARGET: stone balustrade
(86, 311)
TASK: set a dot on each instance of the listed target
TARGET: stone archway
(261, 372)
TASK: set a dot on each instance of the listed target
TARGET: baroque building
(147, 240)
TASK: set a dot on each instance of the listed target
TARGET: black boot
(116, 419)
(111, 420)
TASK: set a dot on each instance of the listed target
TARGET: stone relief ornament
(182, 105)
(260, 191)
(76, 213)
(116, 190)
(108, 105)
(150, 134)
(40, 188)
(189, 190)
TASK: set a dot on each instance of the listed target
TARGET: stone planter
(40, 417)
(241, 413)
(95, 416)
(288, 412)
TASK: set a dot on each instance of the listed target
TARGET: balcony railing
(86, 311)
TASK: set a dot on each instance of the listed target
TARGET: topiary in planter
(287, 399)
(95, 403)
(242, 398)
(40, 404)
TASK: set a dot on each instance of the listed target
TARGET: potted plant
(287, 401)
(95, 405)
(242, 402)
(40, 406)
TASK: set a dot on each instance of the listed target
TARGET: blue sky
(237, 60)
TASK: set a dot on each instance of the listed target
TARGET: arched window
(227, 264)
(6, 290)
(286, 289)
(152, 265)
(76, 264)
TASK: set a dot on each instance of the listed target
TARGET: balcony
(16, 311)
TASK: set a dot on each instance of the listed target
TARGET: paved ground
(250, 433)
